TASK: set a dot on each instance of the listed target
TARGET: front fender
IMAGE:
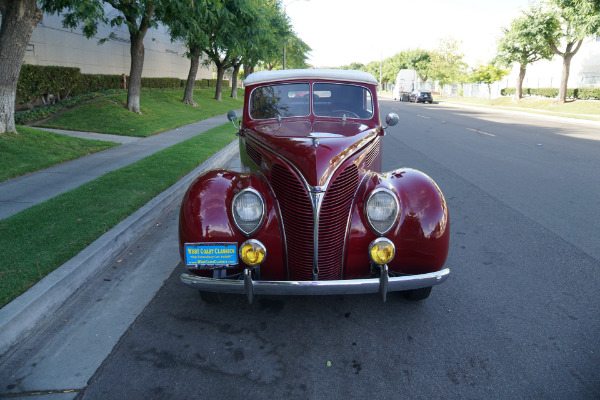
(205, 217)
(421, 233)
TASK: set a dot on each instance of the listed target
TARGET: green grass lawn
(36, 241)
(583, 109)
(31, 149)
(161, 111)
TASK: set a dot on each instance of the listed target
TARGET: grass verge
(36, 241)
(161, 111)
(581, 109)
(31, 150)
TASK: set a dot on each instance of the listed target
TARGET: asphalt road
(519, 316)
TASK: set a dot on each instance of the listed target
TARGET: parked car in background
(312, 213)
(421, 96)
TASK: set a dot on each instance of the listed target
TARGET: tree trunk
(220, 73)
(522, 71)
(564, 79)
(19, 19)
(188, 96)
(234, 80)
(567, 56)
(248, 70)
(136, 36)
(135, 72)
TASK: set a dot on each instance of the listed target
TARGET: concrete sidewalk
(32, 309)
(23, 192)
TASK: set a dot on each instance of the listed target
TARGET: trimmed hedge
(591, 93)
(39, 81)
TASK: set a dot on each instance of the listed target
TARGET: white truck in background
(405, 83)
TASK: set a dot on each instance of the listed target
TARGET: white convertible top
(293, 74)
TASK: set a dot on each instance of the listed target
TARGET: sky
(344, 31)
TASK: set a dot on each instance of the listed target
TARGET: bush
(40, 81)
(577, 93)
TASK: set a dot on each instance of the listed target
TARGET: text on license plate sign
(224, 254)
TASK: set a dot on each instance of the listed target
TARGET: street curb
(21, 316)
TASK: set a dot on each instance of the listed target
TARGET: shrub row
(39, 81)
(577, 93)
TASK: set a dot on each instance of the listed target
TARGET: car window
(286, 100)
(337, 100)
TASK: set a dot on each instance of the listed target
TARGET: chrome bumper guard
(381, 285)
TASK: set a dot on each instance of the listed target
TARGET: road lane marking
(485, 133)
(423, 116)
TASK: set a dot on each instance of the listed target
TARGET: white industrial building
(52, 44)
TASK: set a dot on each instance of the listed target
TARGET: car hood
(315, 148)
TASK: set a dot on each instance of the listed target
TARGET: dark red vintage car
(313, 213)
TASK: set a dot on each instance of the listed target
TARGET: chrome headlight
(382, 210)
(248, 210)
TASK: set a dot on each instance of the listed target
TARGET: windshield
(291, 100)
(328, 100)
(337, 100)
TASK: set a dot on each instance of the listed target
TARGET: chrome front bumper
(381, 285)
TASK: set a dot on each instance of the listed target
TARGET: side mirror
(232, 116)
(391, 119)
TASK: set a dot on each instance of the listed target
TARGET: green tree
(524, 43)
(353, 66)
(19, 18)
(419, 60)
(228, 34)
(488, 74)
(569, 22)
(268, 36)
(137, 15)
(446, 63)
(185, 20)
(297, 52)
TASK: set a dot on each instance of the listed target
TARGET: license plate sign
(220, 255)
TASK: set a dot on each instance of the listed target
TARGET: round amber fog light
(253, 252)
(382, 251)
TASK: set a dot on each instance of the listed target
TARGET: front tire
(417, 294)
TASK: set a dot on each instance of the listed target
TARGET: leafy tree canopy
(525, 42)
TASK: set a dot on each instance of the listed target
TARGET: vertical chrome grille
(297, 214)
(335, 212)
(296, 209)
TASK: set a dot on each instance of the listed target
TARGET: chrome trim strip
(295, 288)
(316, 198)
